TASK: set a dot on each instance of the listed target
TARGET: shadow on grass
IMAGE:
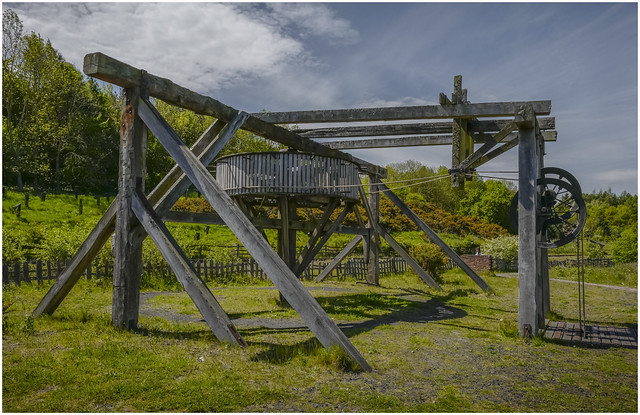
(399, 311)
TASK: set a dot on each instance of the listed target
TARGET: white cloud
(203, 46)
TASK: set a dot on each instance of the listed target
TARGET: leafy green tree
(487, 200)
(625, 248)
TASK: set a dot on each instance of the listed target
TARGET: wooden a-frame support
(134, 211)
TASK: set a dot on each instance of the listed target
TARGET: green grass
(625, 275)
(451, 351)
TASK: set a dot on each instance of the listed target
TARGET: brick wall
(478, 263)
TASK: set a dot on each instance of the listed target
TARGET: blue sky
(283, 56)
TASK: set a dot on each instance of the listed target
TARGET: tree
(487, 200)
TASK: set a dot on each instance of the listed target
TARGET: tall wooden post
(127, 249)
(462, 143)
(543, 256)
(286, 235)
(529, 290)
(373, 265)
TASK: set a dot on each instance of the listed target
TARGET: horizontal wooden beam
(206, 218)
(477, 110)
(105, 68)
(413, 141)
(481, 126)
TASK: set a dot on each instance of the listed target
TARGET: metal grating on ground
(595, 335)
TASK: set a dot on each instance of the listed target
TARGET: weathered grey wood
(306, 260)
(111, 70)
(127, 252)
(211, 311)
(488, 109)
(317, 232)
(25, 272)
(243, 175)
(373, 211)
(338, 259)
(166, 193)
(484, 149)
(508, 145)
(478, 126)
(419, 141)
(528, 287)
(435, 238)
(325, 330)
(39, 271)
(424, 275)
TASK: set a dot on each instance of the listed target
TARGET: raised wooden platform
(594, 336)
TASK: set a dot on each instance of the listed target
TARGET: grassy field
(451, 351)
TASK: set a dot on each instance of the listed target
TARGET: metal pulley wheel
(562, 210)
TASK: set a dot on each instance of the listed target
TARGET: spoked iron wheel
(563, 211)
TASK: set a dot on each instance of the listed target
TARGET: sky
(303, 56)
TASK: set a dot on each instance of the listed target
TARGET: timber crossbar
(108, 69)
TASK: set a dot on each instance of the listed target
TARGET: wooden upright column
(529, 289)
(127, 249)
(462, 143)
(373, 266)
(543, 255)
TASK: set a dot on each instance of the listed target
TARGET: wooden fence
(39, 271)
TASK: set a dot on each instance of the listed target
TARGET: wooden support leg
(127, 268)
(373, 266)
(435, 238)
(339, 258)
(528, 278)
(213, 314)
(322, 326)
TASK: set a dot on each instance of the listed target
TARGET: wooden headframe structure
(135, 213)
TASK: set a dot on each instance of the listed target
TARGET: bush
(503, 247)
(625, 248)
(431, 258)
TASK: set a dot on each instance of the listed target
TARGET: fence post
(25, 269)
(5, 273)
(58, 269)
(89, 270)
(43, 196)
(16, 273)
(26, 200)
(39, 271)
(80, 207)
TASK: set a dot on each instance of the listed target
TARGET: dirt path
(592, 284)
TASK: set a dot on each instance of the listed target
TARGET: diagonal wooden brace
(435, 238)
(322, 326)
(338, 259)
(306, 260)
(380, 230)
(211, 311)
(501, 135)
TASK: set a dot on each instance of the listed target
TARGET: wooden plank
(338, 259)
(325, 329)
(486, 109)
(164, 195)
(217, 320)
(374, 243)
(508, 145)
(433, 236)
(103, 67)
